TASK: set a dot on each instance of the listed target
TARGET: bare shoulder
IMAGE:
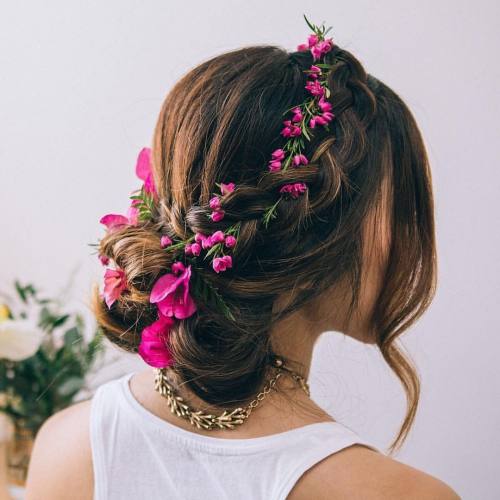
(359, 473)
(61, 460)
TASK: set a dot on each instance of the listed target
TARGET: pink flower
(324, 105)
(222, 263)
(226, 188)
(314, 71)
(114, 284)
(300, 159)
(315, 88)
(321, 48)
(217, 237)
(153, 346)
(171, 295)
(274, 166)
(317, 120)
(294, 190)
(199, 237)
(178, 267)
(217, 215)
(144, 170)
(278, 155)
(328, 116)
(133, 213)
(165, 241)
(312, 40)
(302, 47)
(230, 241)
(290, 129)
(104, 259)
(114, 221)
(214, 203)
(297, 115)
(195, 249)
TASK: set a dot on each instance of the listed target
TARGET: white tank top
(138, 455)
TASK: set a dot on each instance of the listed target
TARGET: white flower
(19, 339)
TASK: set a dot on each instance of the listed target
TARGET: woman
(224, 274)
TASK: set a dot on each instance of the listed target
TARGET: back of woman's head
(220, 123)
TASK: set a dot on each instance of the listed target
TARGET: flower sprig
(315, 111)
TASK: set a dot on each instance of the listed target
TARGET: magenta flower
(144, 171)
(321, 48)
(153, 346)
(290, 129)
(196, 249)
(171, 295)
(199, 237)
(274, 166)
(226, 188)
(315, 88)
(324, 105)
(114, 221)
(297, 115)
(104, 259)
(294, 190)
(217, 215)
(318, 120)
(214, 203)
(278, 155)
(217, 237)
(206, 243)
(300, 159)
(222, 263)
(178, 267)
(230, 241)
(165, 241)
(314, 71)
(114, 283)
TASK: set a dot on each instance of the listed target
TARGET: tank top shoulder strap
(104, 417)
(326, 440)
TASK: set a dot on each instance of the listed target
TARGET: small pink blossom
(315, 88)
(114, 283)
(328, 116)
(206, 243)
(144, 170)
(274, 166)
(321, 48)
(290, 129)
(165, 241)
(324, 105)
(104, 259)
(278, 155)
(227, 188)
(300, 159)
(217, 237)
(171, 295)
(317, 120)
(217, 215)
(199, 237)
(312, 40)
(314, 71)
(294, 190)
(230, 241)
(222, 263)
(214, 203)
(195, 249)
(178, 267)
(297, 115)
(153, 347)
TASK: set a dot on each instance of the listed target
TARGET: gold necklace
(227, 419)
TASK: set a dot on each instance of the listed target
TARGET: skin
(62, 461)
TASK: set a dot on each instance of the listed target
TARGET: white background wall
(81, 83)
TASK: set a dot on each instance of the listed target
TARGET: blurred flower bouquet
(44, 360)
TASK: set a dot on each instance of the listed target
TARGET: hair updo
(221, 122)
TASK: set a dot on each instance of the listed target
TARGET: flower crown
(172, 292)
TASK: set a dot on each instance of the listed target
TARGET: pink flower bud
(217, 237)
(199, 237)
(324, 105)
(226, 188)
(187, 249)
(217, 216)
(214, 203)
(165, 241)
(178, 267)
(278, 155)
(230, 241)
(104, 259)
(222, 263)
(300, 159)
(206, 243)
(195, 249)
(274, 166)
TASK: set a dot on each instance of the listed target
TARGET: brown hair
(220, 123)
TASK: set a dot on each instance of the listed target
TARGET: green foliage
(33, 389)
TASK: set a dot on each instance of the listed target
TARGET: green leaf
(312, 26)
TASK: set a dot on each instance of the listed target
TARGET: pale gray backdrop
(81, 83)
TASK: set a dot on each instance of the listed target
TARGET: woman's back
(137, 454)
